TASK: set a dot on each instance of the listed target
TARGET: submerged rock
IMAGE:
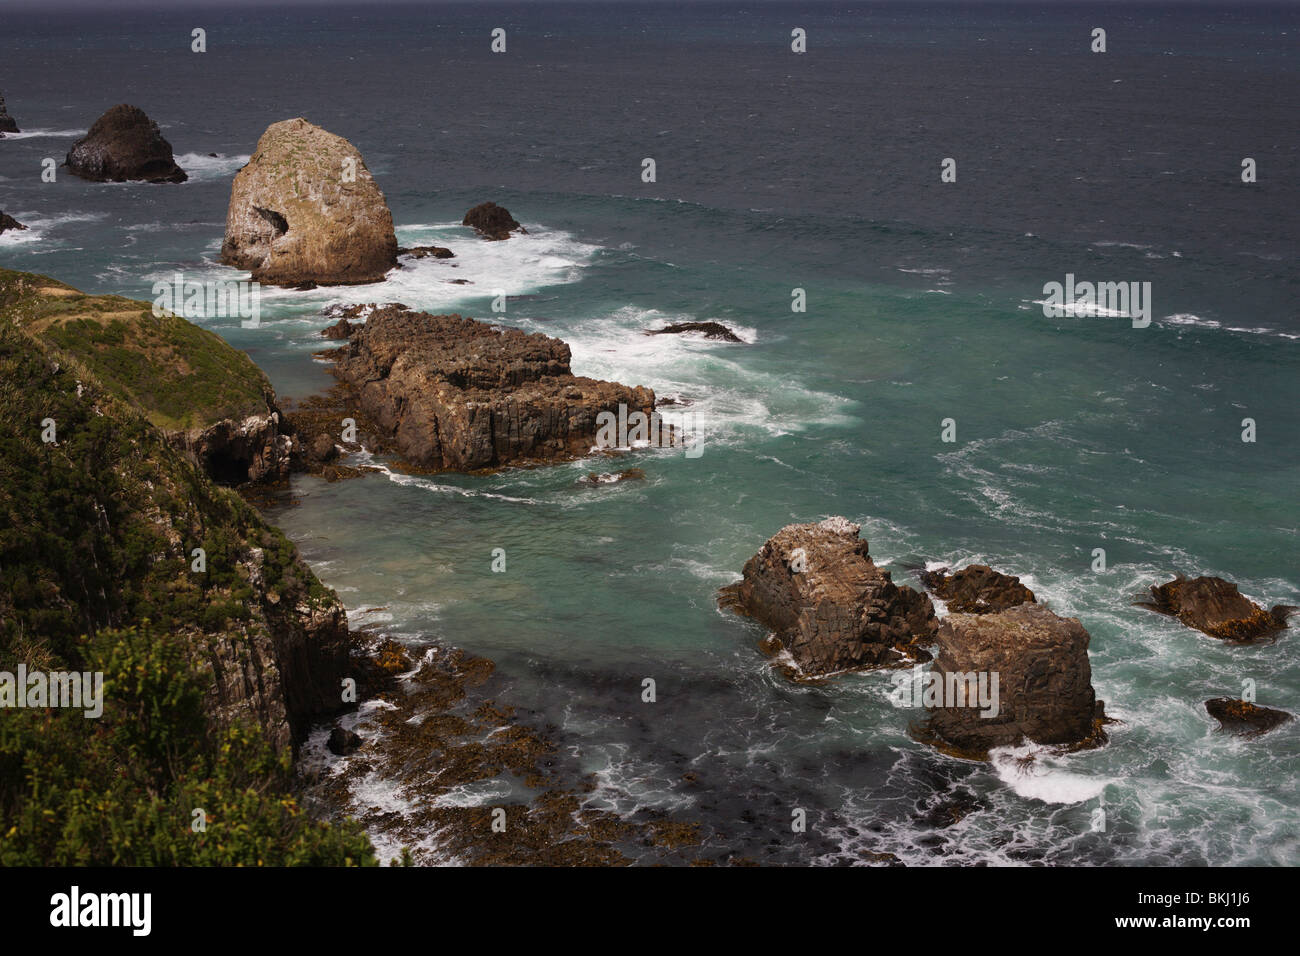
(492, 221)
(343, 742)
(816, 587)
(1215, 607)
(7, 124)
(710, 330)
(124, 145)
(977, 589)
(610, 478)
(1243, 718)
(1043, 681)
(452, 393)
(9, 222)
(295, 217)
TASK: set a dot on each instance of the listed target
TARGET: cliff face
(305, 210)
(104, 519)
(209, 399)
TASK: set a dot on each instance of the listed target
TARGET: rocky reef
(710, 330)
(492, 221)
(1244, 718)
(124, 145)
(451, 393)
(9, 222)
(1215, 607)
(305, 211)
(1044, 681)
(828, 605)
(977, 589)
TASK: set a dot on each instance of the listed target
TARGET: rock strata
(817, 589)
(1044, 681)
(124, 145)
(455, 394)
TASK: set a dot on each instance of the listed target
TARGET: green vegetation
(97, 531)
(183, 377)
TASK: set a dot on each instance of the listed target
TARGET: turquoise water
(1072, 434)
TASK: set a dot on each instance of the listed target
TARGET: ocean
(776, 172)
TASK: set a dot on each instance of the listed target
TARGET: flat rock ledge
(1215, 607)
(452, 393)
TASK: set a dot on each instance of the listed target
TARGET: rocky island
(306, 211)
(124, 145)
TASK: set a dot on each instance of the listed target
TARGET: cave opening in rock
(227, 469)
(277, 220)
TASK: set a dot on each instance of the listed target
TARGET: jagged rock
(1044, 680)
(457, 394)
(124, 145)
(1243, 718)
(977, 589)
(1215, 607)
(9, 222)
(817, 588)
(492, 221)
(323, 448)
(343, 742)
(295, 218)
(710, 330)
(424, 252)
(7, 124)
(342, 329)
(238, 451)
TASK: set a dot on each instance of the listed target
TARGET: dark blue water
(778, 171)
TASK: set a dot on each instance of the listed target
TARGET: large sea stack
(1044, 680)
(124, 145)
(817, 589)
(7, 124)
(452, 393)
(306, 210)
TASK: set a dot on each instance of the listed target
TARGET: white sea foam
(1034, 773)
(45, 134)
(201, 167)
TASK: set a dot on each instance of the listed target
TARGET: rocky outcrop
(710, 330)
(452, 393)
(342, 329)
(234, 452)
(1243, 718)
(1043, 681)
(124, 144)
(977, 589)
(492, 221)
(817, 589)
(343, 742)
(1215, 607)
(9, 222)
(305, 210)
(426, 252)
(7, 124)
